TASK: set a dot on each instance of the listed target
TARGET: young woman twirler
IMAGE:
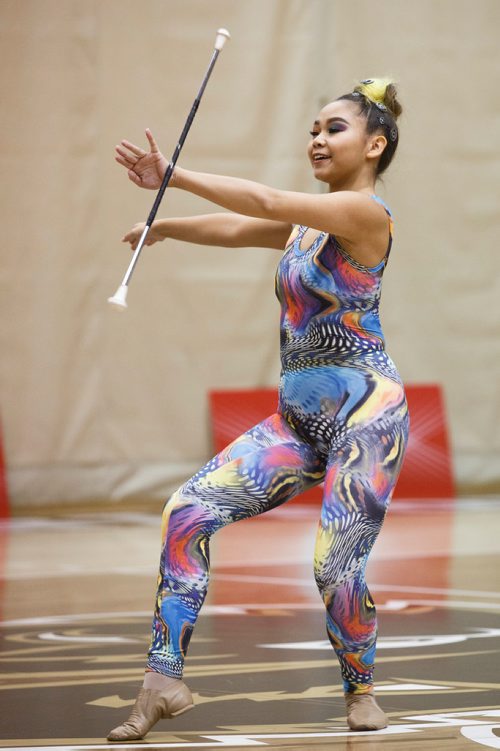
(341, 417)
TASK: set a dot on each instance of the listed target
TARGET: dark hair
(378, 103)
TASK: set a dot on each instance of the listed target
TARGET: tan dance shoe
(363, 712)
(151, 706)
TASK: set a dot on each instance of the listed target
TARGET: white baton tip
(119, 299)
(222, 36)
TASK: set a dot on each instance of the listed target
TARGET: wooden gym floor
(76, 591)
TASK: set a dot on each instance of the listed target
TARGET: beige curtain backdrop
(98, 405)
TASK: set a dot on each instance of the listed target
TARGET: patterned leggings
(259, 471)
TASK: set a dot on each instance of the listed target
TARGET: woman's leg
(359, 481)
(262, 469)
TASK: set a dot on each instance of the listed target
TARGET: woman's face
(339, 143)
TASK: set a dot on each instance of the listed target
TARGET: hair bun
(381, 91)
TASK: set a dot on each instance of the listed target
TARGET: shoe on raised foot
(151, 706)
(363, 712)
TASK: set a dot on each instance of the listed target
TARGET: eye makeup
(336, 127)
(333, 126)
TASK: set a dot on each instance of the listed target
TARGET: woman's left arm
(350, 215)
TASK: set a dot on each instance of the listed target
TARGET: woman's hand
(144, 169)
(154, 235)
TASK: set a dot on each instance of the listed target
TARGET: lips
(320, 157)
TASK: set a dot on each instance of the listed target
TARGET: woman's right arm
(223, 230)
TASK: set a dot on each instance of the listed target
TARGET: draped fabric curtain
(98, 405)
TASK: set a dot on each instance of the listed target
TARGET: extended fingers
(126, 157)
(136, 150)
(124, 161)
(152, 142)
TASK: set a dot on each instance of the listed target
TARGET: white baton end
(222, 36)
(119, 299)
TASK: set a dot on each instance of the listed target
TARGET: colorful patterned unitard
(342, 419)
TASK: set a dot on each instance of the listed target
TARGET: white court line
(479, 729)
(241, 609)
(225, 741)
(250, 578)
(77, 617)
(377, 555)
(433, 590)
(393, 642)
(475, 725)
(218, 575)
(50, 636)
